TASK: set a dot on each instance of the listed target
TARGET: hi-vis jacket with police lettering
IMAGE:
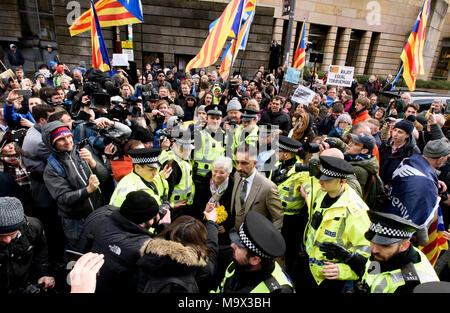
(345, 224)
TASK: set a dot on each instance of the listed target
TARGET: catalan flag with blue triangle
(300, 54)
(100, 58)
(412, 54)
(110, 13)
(218, 35)
(239, 42)
(436, 241)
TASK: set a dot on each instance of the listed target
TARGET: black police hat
(289, 144)
(257, 234)
(389, 228)
(332, 167)
(213, 109)
(145, 156)
(248, 115)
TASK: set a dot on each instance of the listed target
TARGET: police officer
(254, 269)
(178, 157)
(144, 176)
(209, 143)
(288, 180)
(247, 132)
(395, 265)
(336, 214)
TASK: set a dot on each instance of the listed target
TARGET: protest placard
(340, 75)
(292, 75)
(303, 95)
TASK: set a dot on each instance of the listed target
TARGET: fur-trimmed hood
(176, 251)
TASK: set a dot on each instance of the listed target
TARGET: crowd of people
(165, 181)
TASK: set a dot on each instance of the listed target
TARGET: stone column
(330, 42)
(363, 53)
(343, 42)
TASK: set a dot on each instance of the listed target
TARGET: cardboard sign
(129, 53)
(303, 95)
(340, 75)
(120, 59)
(292, 75)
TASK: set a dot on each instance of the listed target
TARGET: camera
(316, 220)
(312, 167)
(314, 147)
(109, 137)
(163, 209)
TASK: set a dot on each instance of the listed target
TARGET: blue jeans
(72, 230)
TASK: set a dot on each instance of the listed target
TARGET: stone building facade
(366, 34)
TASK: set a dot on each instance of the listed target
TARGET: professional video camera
(314, 147)
(99, 86)
(232, 86)
(312, 167)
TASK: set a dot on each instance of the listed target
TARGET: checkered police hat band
(144, 160)
(389, 232)
(286, 148)
(331, 173)
(249, 244)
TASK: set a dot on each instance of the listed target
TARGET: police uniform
(242, 135)
(181, 184)
(208, 145)
(288, 180)
(258, 235)
(402, 272)
(157, 188)
(342, 220)
(406, 270)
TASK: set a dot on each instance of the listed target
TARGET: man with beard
(395, 265)
(254, 269)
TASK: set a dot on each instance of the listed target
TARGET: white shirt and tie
(246, 186)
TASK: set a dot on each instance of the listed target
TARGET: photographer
(23, 251)
(73, 178)
(118, 233)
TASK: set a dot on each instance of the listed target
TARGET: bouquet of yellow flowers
(221, 214)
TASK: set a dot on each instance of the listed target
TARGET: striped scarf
(13, 166)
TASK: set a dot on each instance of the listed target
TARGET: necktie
(243, 192)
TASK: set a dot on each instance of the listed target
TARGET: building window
(37, 19)
(353, 47)
(443, 64)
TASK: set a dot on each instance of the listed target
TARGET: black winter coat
(390, 161)
(25, 259)
(119, 239)
(281, 119)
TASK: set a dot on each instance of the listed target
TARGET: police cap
(213, 109)
(332, 167)
(145, 156)
(258, 235)
(248, 115)
(289, 144)
(387, 228)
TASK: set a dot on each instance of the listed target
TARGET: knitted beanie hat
(11, 214)
(406, 124)
(139, 207)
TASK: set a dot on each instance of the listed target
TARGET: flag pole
(233, 58)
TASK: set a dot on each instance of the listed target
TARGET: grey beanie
(234, 105)
(11, 214)
(437, 148)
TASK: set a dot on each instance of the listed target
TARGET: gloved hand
(335, 251)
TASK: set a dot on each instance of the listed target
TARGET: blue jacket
(13, 118)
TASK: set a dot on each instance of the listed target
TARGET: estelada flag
(212, 47)
(100, 58)
(110, 13)
(300, 54)
(412, 54)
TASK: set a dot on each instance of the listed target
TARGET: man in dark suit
(253, 191)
